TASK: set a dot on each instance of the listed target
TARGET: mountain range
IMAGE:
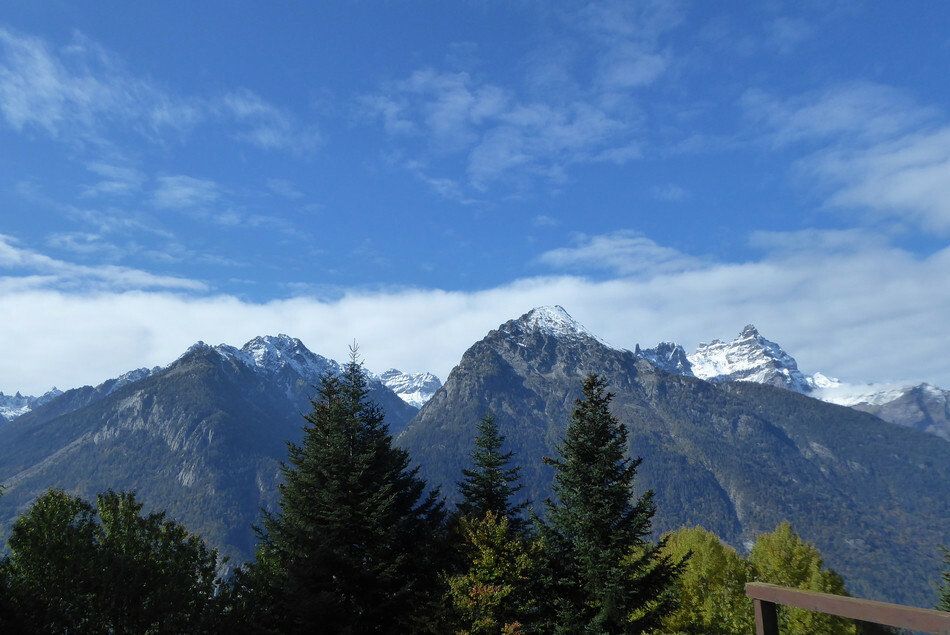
(750, 357)
(203, 438)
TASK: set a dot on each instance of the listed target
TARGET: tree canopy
(493, 482)
(109, 568)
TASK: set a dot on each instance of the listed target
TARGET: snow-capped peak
(749, 357)
(12, 406)
(820, 380)
(273, 353)
(556, 322)
(413, 388)
(667, 356)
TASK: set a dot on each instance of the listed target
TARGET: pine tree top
(490, 485)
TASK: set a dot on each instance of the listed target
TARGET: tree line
(359, 544)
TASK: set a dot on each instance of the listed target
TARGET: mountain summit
(753, 358)
(552, 321)
(413, 388)
(749, 357)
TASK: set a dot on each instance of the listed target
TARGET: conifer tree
(602, 574)
(491, 484)
(351, 547)
(494, 595)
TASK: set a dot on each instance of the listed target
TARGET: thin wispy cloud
(511, 136)
(83, 93)
(623, 253)
(871, 148)
(183, 192)
(114, 180)
(45, 272)
(670, 193)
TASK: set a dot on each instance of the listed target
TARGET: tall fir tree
(352, 547)
(491, 484)
(603, 576)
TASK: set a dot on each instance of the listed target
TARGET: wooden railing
(766, 597)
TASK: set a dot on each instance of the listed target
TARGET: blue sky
(412, 174)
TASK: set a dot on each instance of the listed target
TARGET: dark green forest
(359, 543)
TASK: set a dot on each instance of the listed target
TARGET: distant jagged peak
(750, 357)
(749, 331)
(15, 405)
(273, 353)
(667, 356)
(820, 380)
(420, 377)
(413, 388)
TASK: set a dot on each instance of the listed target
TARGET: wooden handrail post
(766, 618)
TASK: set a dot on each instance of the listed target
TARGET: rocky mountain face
(668, 357)
(201, 438)
(413, 388)
(736, 457)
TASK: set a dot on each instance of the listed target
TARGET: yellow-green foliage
(712, 586)
(492, 595)
(781, 557)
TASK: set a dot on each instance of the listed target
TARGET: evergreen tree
(494, 594)
(490, 486)
(944, 603)
(602, 575)
(353, 544)
(782, 557)
(125, 573)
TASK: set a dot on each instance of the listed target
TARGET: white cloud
(499, 138)
(861, 310)
(628, 35)
(84, 93)
(623, 253)
(44, 271)
(872, 149)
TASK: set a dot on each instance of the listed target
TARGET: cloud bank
(845, 303)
